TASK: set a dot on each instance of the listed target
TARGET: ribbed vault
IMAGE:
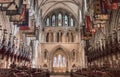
(69, 5)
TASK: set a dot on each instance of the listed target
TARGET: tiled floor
(59, 76)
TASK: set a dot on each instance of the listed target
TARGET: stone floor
(59, 76)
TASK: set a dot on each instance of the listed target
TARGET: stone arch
(45, 53)
(63, 11)
(55, 52)
(73, 54)
(66, 51)
(59, 36)
(49, 36)
(68, 10)
(70, 36)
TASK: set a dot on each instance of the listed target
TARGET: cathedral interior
(59, 38)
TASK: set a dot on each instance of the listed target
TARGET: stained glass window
(64, 62)
(53, 20)
(71, 22)
(55, 62)
(47, 22)
(66, 20)
(59, 61)
(59, 19)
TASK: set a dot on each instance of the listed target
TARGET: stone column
(50, 37)
(56, 19)
(63, 19)
(61, 36)
(69, 20)
(44, 37)
(54, 37)
(50, 21)
(64, 37)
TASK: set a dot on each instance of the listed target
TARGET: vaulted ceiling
(69, 5)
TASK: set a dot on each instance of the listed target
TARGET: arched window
(72, 37)
(48, 22)
(59, 19)
(64, 62)
(60, 60)
(55, 62)
(58, 37)
(47, 37)
(71, 22)
(73, 55)
(45, 54)
(66, 20)
(53, 20)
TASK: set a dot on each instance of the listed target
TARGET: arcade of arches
(60, 35)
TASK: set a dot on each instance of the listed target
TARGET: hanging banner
(115, 1)
(23, 13)
(11, 12)
(102, 17)
(101, 10)
(14, 18)
(5, 1)
(24, 28)
(110, 6)
(32, 31)
(101, 7)
(85, 34)
(30, 34)
(97, 6)
(114, 6)
(89, 23)
(25, 24)
(12, 9)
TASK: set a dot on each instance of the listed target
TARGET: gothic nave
(59, 38)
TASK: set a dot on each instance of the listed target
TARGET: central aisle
(59, 76)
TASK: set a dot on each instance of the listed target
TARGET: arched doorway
(59, 61)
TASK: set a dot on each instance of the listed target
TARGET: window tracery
(47, 22)
(53, 20)
(59, 18)
(66, 20)
(59, 61)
